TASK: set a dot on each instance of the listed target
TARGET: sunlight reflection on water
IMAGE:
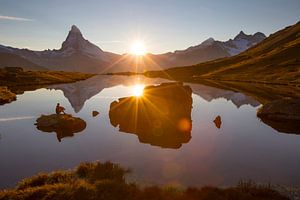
(242, 148)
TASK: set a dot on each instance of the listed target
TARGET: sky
(163, 25)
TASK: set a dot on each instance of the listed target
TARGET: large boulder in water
(6, 96)
(160, 117)
(282, 115)
(64, 125)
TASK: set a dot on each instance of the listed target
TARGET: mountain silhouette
(276, 59)
(78, 54)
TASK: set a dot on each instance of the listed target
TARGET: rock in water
(63, 125)
(160, 117)
(6, 96)
(95, 113)
(218, 121)
(283, 115)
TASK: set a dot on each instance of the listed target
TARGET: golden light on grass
(138, 90)
(138, 48)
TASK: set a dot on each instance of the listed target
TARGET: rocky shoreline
(282, 109)
(6, 96)
(283, 115)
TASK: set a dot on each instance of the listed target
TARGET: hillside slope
(276, 59)
(12, 60)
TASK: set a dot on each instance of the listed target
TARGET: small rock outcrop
(218, 121)
(64, 125)
(95, 113)
(6, 96)
(283, 115)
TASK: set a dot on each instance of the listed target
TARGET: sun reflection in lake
(138, 90)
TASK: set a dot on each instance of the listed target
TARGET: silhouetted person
(59, 109)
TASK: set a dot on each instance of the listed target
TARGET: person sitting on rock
(59, 109)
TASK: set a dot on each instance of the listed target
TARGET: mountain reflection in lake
(160, 117)
(243, 148)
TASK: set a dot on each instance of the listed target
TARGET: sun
(138, 48)
(138, 90)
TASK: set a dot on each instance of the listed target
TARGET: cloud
(4, 17)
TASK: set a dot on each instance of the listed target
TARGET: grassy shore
(106, 181)
(16, 81)
(27, 78)
(6, 96)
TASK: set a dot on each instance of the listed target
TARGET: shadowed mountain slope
(276, 60)
(12, 60)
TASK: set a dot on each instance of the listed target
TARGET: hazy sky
(165, 25)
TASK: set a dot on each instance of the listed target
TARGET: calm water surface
(219, 154)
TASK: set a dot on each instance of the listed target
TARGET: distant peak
(260, 34)
(209, 41)
(75, 29)
(241, 35)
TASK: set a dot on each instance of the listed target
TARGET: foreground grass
(92, 181)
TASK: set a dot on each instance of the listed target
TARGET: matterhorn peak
(74, 32)
(75, 43)
(74, 39)
(75, 29)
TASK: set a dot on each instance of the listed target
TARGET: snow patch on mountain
(204, 44)
(242, 42)
(237, 46)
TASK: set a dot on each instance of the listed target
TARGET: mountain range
(275, 60)
(78, 54)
